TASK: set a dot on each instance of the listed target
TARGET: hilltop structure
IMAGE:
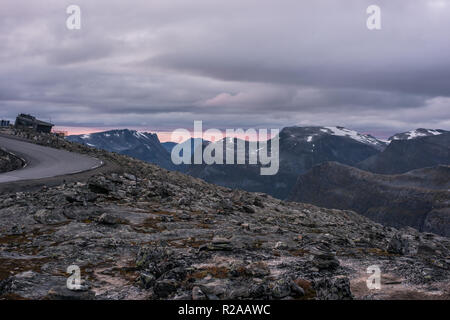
(26, 121)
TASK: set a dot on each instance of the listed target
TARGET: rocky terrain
(419, 198)
(142, 232)
(9, 162)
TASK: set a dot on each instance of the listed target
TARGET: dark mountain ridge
(140, 145)
(401, 156)
(420, 198)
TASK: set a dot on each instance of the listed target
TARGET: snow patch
(343, 132)
(413, 134)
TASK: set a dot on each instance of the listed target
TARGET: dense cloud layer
(162, 64)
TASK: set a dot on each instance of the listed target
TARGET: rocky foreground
(143, 232)
(9, 162)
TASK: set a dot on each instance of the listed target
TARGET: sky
(158, 65)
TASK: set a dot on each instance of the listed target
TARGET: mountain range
(140, 145)
(332, 167)
(300, 148)
(402, 155)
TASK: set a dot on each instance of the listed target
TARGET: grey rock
(401, 245)
(333, 289)
(147, 280)
(219, 244)
(45, 216)
(163, 288)
(281, 289)
(197, 294)
(129, 176)
(248, 209)
(296, 290)
(109, 219)
(326, 261)
(62, 293)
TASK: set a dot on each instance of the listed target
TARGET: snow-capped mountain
(115, 140)
(311, 134)
(406, 154)
(141, 145)
(300, 148)
(413, 134)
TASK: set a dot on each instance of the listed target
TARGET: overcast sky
(159, 65)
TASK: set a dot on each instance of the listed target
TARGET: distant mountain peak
(141, 145)
(310, 134)
(417, 133)
(409, 151)
(363, 138)
(118, 132)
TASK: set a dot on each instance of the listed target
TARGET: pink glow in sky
(163, 136)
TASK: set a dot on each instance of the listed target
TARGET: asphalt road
(44, 162)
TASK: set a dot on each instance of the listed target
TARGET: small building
(4, 123)
(26, 121)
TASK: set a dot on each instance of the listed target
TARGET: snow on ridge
(117, 133)
(140, 134)
(435, 132)
(417, 133)
(315, 131)
(343, 132)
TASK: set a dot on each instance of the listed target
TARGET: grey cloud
(163, 64)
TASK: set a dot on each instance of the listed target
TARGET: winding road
(44, 162)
